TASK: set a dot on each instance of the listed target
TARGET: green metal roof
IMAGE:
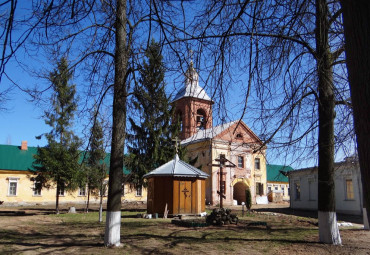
(13, 158)
(274, 174)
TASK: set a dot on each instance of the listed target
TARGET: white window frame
(62, 191)
(139, 191)
(16, 181)
(82, 194)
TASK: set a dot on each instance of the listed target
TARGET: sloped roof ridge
(209, 132)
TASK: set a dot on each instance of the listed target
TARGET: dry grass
(81, 233)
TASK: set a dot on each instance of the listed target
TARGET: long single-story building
(348, 188)
(18, 188)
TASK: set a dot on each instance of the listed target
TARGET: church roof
(208, 133)
(177, 168)
(213, 132)
(192, 88)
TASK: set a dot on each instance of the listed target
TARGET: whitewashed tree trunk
(113, 229)
(328, 228)
(366, 220)
(100, 212)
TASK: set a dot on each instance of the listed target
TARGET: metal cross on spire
(177, 143)
(191, 53)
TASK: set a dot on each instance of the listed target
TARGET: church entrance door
(239, 192)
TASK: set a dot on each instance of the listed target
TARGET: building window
(61, 190)
(311, 188)
(37, 188)
(349, 190)
(257, 164)
(82, 191)
(13, 186)
(276, 187)
(241, 161)
(297, 189)
(259, 189)
(269, 188)
(283, 189)
(139, 191)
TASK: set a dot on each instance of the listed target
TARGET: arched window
(201, 119)
(239, 136)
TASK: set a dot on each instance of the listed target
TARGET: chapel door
(185, 197)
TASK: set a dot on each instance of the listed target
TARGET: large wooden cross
(222, 164)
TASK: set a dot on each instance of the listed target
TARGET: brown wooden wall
(182, 195)
(159, 193)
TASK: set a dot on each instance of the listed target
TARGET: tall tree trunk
(57, 199)
(328, 228)
(113, 218)
(357, 44)
(101, 204)
(88, 199)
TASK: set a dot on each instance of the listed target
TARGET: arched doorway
(239, 192)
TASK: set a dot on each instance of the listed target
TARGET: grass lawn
(81, 233)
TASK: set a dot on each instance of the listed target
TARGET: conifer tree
(57, 162)
(150, 141)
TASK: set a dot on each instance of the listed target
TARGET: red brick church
(234, 139)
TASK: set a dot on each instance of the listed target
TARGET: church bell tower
(193, 107)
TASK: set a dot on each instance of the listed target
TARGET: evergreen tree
(150, 141)
(57, 162)
(96, 170)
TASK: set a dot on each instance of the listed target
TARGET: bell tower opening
(201, 119)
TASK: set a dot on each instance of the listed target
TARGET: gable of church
(239, 132)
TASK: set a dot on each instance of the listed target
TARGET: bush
(248, 199)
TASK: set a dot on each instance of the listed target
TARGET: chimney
(24, 146)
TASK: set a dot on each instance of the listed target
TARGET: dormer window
(239, 136)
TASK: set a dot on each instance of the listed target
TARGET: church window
(241, 161)
(201, 119)
(257, 164)
(259, 189)
(179, 119)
